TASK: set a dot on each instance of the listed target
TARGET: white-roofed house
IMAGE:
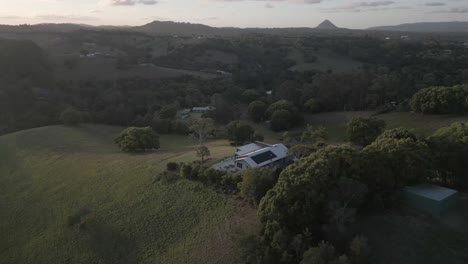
(256, 155)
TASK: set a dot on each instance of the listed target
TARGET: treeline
(24, 72)
(392, 73)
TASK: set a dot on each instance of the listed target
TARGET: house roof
(432, 192)
(264, 155)
(248, 148)
(202, 108)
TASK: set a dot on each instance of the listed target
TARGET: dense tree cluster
(318, 197)
(441, 100)
(138, 139)
(283, 115)
(449, 147)
(314, 199)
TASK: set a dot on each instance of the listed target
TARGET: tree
(250, 95)
(201, 129)
(257, 110)
(256, 183)
(441, 100)
(239, 132)
(323, 253)
(449, 146)
(137, 139)
(71, 117)
(257, 136)
(313, 135)
(281, 120)
(302, 196)
(286, 137)
(281, 105)
(202, 152)
(312, 106)
(392, 162)
(360, 251)
(168, 112)
(364, 130)
(397, 133)
(223, 111)
(304, 150)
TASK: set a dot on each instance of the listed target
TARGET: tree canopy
(449, 146)
(441, 100)
(257, 110)
(138, 139)
(308, 196)
(239, 132)
(363, 130)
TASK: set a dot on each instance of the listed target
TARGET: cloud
(132, 2)
(435, 4)
(454, 10)
(206, 18)
(381, 5)
(52, 17)
(373, 4)
(310, 2)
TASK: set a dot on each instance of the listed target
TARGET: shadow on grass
(109, 245)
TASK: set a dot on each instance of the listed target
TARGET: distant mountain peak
(327, 24)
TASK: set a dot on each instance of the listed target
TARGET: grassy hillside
(48, 174)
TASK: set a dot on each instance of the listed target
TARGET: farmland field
(49, 174)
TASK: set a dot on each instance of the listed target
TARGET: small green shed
(431, 199)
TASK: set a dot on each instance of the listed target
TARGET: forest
(33, 93)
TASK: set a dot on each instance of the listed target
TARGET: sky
(237, 13)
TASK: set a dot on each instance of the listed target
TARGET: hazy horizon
(233, 13)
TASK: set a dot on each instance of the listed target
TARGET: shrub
(172, 166)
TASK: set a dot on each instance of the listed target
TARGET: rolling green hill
(52, 173)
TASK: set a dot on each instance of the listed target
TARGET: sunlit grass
(48, 174)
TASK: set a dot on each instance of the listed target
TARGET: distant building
(256, 155)
(203, 109)
(184, 113)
